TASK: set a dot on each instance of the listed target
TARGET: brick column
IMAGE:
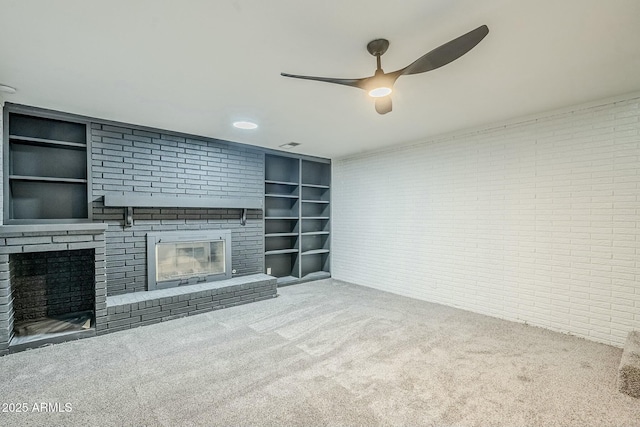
(101, 282)
(6, 304)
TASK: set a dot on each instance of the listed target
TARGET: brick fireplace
(48, 271)
(139, 182)
(53, 283)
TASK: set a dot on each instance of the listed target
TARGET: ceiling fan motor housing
(378, 47)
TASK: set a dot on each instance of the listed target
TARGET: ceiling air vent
(290, 145)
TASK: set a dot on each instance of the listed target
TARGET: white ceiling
(195, 66)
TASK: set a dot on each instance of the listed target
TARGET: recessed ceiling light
(245, 125)
(289, 145)
(7, 89)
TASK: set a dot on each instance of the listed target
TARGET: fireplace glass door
(178, 260)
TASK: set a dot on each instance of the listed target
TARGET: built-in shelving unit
(315, 215)
(297, 216)
(46, 169)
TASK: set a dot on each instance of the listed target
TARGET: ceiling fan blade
(359, 83)
(446, 53)
(383, 104)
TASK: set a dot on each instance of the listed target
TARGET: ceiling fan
(380, 85)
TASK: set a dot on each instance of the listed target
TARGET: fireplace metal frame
(185, 236)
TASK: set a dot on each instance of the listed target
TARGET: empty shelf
(269, 181)
(284, 196)
(316, 252)
(41, 141)
(281, 251)
(315, 185)
(287, 280)
(317, 275)
(47, 179)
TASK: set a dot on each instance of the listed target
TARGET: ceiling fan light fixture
(379, 92)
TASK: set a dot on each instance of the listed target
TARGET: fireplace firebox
(187, 257)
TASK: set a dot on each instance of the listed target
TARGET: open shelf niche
(46, 169)
(297, 218)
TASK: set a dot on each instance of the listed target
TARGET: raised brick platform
(113, 313)
(145, 308)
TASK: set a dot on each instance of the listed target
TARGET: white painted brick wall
(537, 221)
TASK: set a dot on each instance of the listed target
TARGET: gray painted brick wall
(1, 159)
(130, 161)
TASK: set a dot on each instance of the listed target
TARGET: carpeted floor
(323, 353)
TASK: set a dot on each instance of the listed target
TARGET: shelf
(282, 264)
(315, 233)
(282, 217)
(286, 226)
(281, 235)
(47, 179)
(282, 196)
(312, 194)
(316, 275)
(292, 280)
(316, 252)
(315, 217)
(46, 130)
(47, 200)
(315, 186)
(316, 265)
(43, 141)
(281, 207)
(111, 200)
(270, 181)
(315, 174)
(281, 170)
(282, 251)
(325, 202)
(287, 280)
(46, 160)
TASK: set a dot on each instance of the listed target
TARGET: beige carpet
(323, 353)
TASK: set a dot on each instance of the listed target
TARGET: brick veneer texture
(130, 161)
